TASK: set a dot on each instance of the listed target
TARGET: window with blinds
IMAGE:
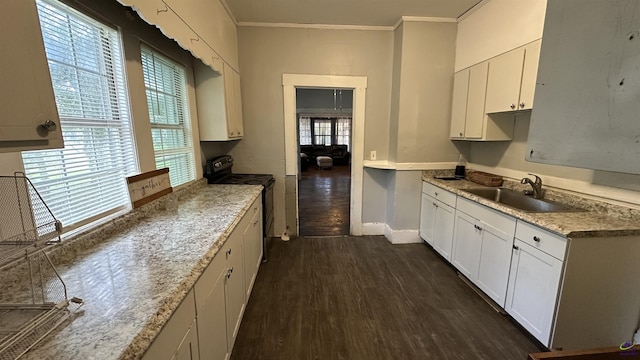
(166, 88)
(85, 180)
(324, 131)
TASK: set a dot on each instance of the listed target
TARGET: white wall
(497, 27)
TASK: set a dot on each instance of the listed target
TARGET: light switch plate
(372, 156)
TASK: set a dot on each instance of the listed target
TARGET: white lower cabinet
(220, 292)
(436, 219)
(482, 247)
(533, 288)
(252, 240)
(569, 293)
(234, 289)
(466, 245)
(179, 337)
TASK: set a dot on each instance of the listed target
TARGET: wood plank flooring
(363, 298)
(324, 200)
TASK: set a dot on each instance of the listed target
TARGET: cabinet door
(529, 75)
(443, 229)
(503, 82)
(234, 289)
(427, 218)
(466, 245)
(252, 245)
(476, 117)
(212, 322)
(533, 288)
(230, 103)
(495, 259)
(26, 93)
(237, 98)
(188, 349)
(459, 103)
(178, 337)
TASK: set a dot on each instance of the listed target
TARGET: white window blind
(304, 127)
(85, 180)
(166, 89)
(343, 131)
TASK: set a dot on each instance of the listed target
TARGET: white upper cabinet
(529, 75)
(201, 27)
(512, 79)
(469, 120)
(28, 113)
(219, 103)
(503, 83)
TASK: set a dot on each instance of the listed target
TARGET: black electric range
(218, 171)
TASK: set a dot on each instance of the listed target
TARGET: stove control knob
(216, 165)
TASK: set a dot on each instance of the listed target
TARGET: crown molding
(473, 9)
(229, 12)
(423, 19)
(317, 26)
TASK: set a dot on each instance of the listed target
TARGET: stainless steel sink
(521, 201)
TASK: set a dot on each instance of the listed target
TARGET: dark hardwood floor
(323, 201)
(363, 298)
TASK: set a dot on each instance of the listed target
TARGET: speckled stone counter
(135, 277)
(593, 222)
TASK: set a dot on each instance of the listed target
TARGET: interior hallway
(363, 298)
(323, 201)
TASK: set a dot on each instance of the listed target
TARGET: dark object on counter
(448, 178)
(459, 173)
(483, 178)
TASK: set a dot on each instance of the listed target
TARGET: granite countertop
(590, 223)
(132, 280)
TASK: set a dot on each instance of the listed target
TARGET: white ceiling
(345, 12)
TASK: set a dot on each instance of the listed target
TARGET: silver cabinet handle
(515, 247)
(229, 272)
(536, 239)
(477, 227)
(228, 251)
(435, 193)
(521, 105)
(48, 126)
(255, 222)
(512, 106)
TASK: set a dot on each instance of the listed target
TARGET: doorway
(324, 124)
(358, 84)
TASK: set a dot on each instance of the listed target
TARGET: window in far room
(166, 89)
(325, 130)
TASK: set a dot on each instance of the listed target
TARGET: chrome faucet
(536, 185)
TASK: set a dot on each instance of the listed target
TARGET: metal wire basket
(38, 300)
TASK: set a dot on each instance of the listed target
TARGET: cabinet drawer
(544, 240)
(435, 192)
(498, 220)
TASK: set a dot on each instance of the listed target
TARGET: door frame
(359, 86)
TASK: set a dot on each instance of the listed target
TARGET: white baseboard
(373, 228)
(402, 236)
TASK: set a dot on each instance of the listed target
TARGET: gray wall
(266, 53)
(511, 155)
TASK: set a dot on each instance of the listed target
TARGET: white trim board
(359, 85)
(622, 197)
(373, 228)
(317, 26)
(402, 236)
(423, 19)
(390, 165)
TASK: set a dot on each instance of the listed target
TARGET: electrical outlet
(372, 156)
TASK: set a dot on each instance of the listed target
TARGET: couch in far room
(339, 153)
